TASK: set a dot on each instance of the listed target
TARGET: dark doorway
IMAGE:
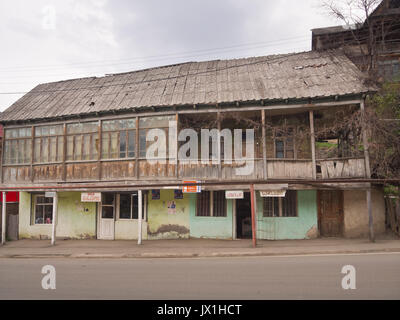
(330, 213)
(243, 217)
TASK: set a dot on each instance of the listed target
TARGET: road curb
(163, 255)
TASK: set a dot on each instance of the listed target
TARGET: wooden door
(107, 217)
(330, 213)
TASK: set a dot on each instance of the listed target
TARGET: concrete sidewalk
(192, 248)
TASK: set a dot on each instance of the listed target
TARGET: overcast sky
(44, 40)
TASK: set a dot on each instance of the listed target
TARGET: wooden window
(271, 207)
(281, 206)
(148, 123)
(49, 144)
(219, 204)
(107, 205)
(82, 141)
(203, 204)
(211, 204)
(284, 144)
(128, 206)
(119, 139)
(18, 146)
(43, 210)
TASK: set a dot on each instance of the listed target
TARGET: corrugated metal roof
(278, 77)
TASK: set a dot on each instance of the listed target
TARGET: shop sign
(91, 197)
(191, 188)
(235, 194)
(273, 193)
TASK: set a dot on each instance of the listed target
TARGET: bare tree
(366, 32)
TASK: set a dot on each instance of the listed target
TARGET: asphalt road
(291, 277)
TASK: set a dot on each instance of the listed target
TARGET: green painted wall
(304, 226)
(76, 220)
(210, 227)
(165, 225)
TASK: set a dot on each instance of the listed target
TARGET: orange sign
(191, 188)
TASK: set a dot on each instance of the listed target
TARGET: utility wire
(145, 58)
(268, 60)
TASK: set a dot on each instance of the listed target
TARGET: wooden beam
(367, 173)
(100, 149)
(136, 149)
(312, 138)
(208, 109)
(3, 218)
(2, 157)
(264, 145)
(365, 141)
(64, 158)
(177, 146)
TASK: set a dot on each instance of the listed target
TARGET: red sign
(10, 197)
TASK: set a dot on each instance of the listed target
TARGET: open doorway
(243, 217)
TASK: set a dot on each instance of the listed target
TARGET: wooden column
(367, 173)
(64, 174)
(253, 215)
(54, 224)
(140, 212)
(2, 155)
(177, 146)
(137, 149)
(264, 145)
(312, 137)
(32, 152)
(100, 148)
(3, 218)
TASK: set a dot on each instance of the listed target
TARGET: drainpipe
(140, 217)
(3, 219)
(253, 215)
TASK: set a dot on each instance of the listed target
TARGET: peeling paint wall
(163, 224)
(128, 230)
(210, 227)
(356, 215)
(76, 220)
(304, 226)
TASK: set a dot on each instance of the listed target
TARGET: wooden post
(54, 225)
(64, 157)
(219, 145)
(253, 215)
(100, 149)
(3, 218)
(137, 149)
(264, 145)
(312, 137)
(140, 216)
(367, 173)
(177, 146)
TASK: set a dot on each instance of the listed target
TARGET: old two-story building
(78, 153)
(381, 32)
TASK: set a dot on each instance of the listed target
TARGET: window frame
(284, 137)
(280, 201)
(211, 205)
(131, 218)
(93, 142)
(34, 204)
(9, 148)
